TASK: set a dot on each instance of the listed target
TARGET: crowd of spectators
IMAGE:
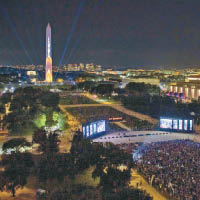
(173, 167)
(130, 147)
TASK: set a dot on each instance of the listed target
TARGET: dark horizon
(128, 33)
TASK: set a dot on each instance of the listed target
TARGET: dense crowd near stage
(173, 166)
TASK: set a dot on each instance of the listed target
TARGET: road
(83, 105)
(71, 120)
(143, 136)
(74, 125)
(21, 194)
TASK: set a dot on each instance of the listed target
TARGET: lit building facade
(186, 91)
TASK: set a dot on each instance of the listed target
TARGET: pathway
(65, 143)
(123, 126)
(21, 194)
(136, 179)
(83, 105)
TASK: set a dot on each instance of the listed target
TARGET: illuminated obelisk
(49, 77)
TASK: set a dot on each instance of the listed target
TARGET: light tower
(49, 77)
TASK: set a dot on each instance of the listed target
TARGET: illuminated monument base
(49, 77)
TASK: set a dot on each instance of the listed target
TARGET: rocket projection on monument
(49, 77)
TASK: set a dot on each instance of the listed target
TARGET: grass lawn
(89, 114)
(85, 178)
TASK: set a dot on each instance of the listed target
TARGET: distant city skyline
(126, 33)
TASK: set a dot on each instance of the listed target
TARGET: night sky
(124, 33)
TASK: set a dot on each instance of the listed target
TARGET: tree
(5, 98)
(104, 89)
(76, 139)
(140, 89)
(114, 179)
(114, 156)
(87, 85)
(81, 192)
(49, 99)
(16, 171)
(16, 144)
(84, 153)
(54, 167)
(60, 119)
(40, 120)
(48, 142)
(109, 168)
(155, 106)
(19, 122)
(49, 117)
(2, 109)
(25, 105)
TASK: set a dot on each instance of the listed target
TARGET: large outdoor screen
(191, 125)
(185, 125)
(175, 124)
(94, 128)
(166, 123)
(101, 126)
(180, 125)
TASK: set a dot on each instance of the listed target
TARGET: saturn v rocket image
(49, 77)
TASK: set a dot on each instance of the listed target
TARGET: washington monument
(49, 77)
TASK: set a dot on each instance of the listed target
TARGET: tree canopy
(48, 142)
(103, 89)
(27, 105)
(16, 144)
(16, 171)
(139, 89)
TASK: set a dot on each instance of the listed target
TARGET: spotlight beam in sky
(81, 33)
(12, 54)
(13, 58)
(39, 35)
(16, 60)
(73, 49)
(71, 31)
(11, 25)
(29, 37)
(8, 47)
